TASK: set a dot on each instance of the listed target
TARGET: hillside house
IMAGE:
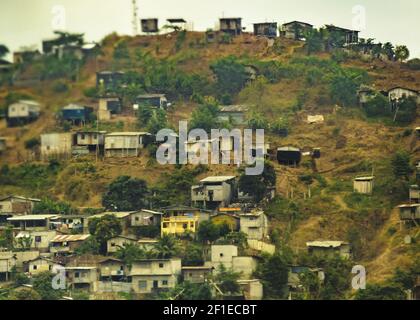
(294, 282)
(246, 266)
(82, 278)
(295, 30)
(147, 244)
(230, 219)
(409, 212)
(109, 80)
(348, 36)
(179, 210)
(125, 144)
(363, 185)
(38, 265)
(214, 191)
(289, 156)
(236, 113)
(21, 257)
(35, 239)
(223, 254)
(266, 29)
(251, 289)
(76, 114)
(195, 148)
(22, 112)
(7, 264)
(154, 275)
(146, 217)
(89, 142)
(414, 193)
(20, 57)
(232, 26)
(108, 106)
(16, 205)
(157, 101)
(150, 25)
(67, 244)
(397, 94)
(71, 223)
(112, 269)
(179, 225)
(115, 243)
(254, 225)
(38, 222)
(57, 145)
(196, 274)
(365, 94)
(329, 248)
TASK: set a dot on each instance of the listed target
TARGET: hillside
(352, 144)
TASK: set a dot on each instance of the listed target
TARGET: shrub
(32, 143)
(377, 106)
(60, 87)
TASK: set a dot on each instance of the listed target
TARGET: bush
(60, 87)
(91, 92)
(377, 106)
(32, 143)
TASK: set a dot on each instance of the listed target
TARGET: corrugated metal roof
(113, 134)
(70, 238)
(325, 244)
(364, 178)
(288, 149)
(73, 106)
(119, 215)
(30, 217)
(217, 179)
(234, 108)
(21, 198)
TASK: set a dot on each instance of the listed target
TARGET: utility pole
(135, 22)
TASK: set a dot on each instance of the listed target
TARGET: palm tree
(167, 247)
(3, 51)
(402, 53)
(388, 50)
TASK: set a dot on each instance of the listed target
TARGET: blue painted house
(76, 114)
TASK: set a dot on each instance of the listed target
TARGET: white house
(214, 191)
(125, 144)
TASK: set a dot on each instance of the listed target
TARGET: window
(185, 225)
(35, 267)
(83, 136)
(38, 238)
(164, 282)
(160, 265)
(165, 225)
(76, 274)
(112, 244)
(221, 255)
(137, 219)
(142, 284)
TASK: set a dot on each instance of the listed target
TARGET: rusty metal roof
(70, 238)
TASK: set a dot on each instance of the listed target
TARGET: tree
(400, 163)
(105, 228)
(381, 292)
(24, 294)
(402, 53)
(167, 247)
(208, 232)
(377, 106)
(344, 86)
(273, 272)
(230, 74)
(314, 41)
(42, 284)
(227, 280)
(3, 51)
(126, 194)
(129, 253)
(69, 38)
(205, 116)
(90, 246)
(6, 238)
(406, 110)
(49, 206)
(388, 50)
(257, 185)
(193, 255)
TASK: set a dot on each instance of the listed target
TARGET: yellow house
(178, 225)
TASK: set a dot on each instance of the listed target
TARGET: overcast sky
(26, 22)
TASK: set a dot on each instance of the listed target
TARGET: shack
(155, 100)
(125, 144)
(57, 145)
(232, 26)
(363, 185)
(295, 30)
(150, 25)
(76, 114)
(22, 112)
(109, 80)
(266, 29)
(289, 156)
